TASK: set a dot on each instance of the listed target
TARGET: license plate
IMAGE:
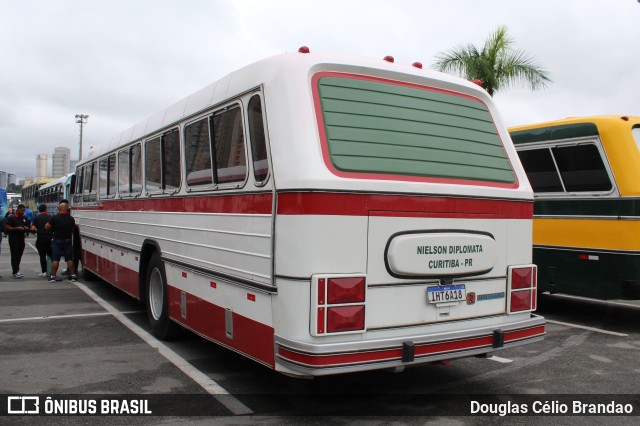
(446, 293)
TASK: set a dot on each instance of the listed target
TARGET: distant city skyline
(42, 166)
(61, 165)
(61, 162)
(7, 179)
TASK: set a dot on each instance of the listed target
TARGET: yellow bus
(31, 195)
(585, 173)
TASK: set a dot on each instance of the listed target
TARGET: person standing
(17, 225)
(1, 233)
(61, 226)
(29, 214)
(43, 240)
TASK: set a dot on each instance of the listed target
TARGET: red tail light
(522, 288)
(346, 290)
(521, 278)
(345, 318)
(338, 305)
(521, 301)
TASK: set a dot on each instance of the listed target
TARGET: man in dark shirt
(61, 226)
(43, 241)
(17, 225)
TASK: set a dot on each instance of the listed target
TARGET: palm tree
(496, 65)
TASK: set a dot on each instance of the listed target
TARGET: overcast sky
(120, 61)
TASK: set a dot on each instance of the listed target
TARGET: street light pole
(81, 119)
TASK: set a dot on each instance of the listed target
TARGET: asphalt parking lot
(90, 341)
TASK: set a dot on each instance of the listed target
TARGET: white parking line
(213, 388)
(597, 330)
(500, 359)
(47, 317)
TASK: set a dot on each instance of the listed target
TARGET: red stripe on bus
(347, 204)
(331, 203)
(515, 335)
(231, 203)
(125, 279)
(250, 337)
(395, 354)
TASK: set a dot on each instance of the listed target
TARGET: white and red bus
(320, 214)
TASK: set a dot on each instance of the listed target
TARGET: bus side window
(124, 182)
(162, 162)
(228, 142)
(258, 140)
(582, 168)
(93, 196)
(103, 176)
(541, 170)
(86, 192)
(111, 176)
(136, 168)
(152, 165)
(197, 153)
(635, 132)
(171, 160)
(558, 169)
(77, 197)
(87, 182)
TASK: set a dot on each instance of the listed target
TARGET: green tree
(14, 188)
(496, 64)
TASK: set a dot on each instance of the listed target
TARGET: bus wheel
(87, 275)
(157, 302)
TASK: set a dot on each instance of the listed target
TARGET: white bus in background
(55, 191)
(320, 214)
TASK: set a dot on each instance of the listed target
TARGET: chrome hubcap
(156, 298)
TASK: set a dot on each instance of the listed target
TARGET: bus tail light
(522, 285)
(338, 304)
(345, 318)
(346, 290)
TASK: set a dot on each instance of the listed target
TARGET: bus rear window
(386, 128)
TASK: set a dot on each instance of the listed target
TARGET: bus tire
(157, 302)
(87, 275)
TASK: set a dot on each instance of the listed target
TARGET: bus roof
(38, 182)
(272, 70)
(62, 179)
(519, 135)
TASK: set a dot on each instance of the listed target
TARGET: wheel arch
(149, 248)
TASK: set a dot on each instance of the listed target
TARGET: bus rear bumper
(307, 359)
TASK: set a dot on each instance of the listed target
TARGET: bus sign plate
(446, 293)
